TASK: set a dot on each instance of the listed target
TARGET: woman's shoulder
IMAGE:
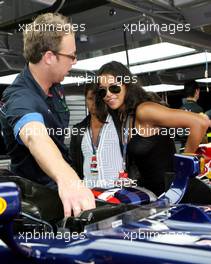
(150, 111)
(84, 123)
(147, 105)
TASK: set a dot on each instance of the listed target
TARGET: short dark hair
(102, 111)
(190, 88)
(90, 87)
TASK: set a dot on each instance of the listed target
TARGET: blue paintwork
(167, 233)
(186, 167)
(10, 193)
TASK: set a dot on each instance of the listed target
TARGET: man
(96, 148)
(192, 92)
(36, 113)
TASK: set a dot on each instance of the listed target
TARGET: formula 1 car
(153, 231)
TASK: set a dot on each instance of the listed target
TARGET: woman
(150, 145)
(95, 147)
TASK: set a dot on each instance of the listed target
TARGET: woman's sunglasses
(115, 89)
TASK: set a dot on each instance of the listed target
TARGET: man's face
(63, 63)
(197, 93)
(90, 102)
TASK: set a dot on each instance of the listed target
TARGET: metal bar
(136, 8)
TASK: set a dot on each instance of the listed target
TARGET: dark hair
(157, 99)
(190, 88)
(90, 87)
(135, 94)
(101, 108)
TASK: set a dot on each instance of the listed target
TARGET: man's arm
(74, 195)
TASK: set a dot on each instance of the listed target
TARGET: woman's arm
(151, 114)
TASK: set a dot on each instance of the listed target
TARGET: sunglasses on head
(114, 88)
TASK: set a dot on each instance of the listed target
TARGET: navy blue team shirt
(25, 101)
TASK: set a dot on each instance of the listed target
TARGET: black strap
(125, 139)
(95, 146)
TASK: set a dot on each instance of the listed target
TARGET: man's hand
(75, 197)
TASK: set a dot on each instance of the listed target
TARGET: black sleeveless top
(153, 156)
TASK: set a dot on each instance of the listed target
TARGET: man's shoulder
(84, 123)
(192, 106)
(198, 109)
(17, 87)
(16, 93)
(21, 85)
